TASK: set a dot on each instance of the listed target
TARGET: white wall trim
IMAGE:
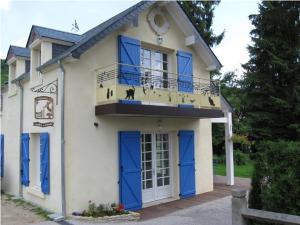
(219, 120)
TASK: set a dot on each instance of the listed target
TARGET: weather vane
(75, 27)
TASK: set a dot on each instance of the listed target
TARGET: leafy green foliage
(241, 142)
(240, 158)
(4, 72)
(272, 82)
(201, 13)
(276, 178)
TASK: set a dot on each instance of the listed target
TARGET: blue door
(129, 58)
(25, 159)
(130, 169)
(186, 163)
(185, 71)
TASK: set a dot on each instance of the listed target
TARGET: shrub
(221, 159)
(241, 142)
(239, 157)
(276, 178)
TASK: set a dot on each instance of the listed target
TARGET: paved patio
(221, 190)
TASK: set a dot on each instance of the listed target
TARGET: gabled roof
(96, 34)
(38, 32)
(17, 51)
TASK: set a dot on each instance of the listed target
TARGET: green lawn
(239, 171)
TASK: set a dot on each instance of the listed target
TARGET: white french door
(156, 166)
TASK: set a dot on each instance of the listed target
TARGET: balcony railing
(150, 86)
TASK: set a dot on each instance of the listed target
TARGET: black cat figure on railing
(211, 101)
(130, 93)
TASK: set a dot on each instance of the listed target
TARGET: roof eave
(23, 77)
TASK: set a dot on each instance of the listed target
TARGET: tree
(201, 13)
(272, 106)
(4, 72)
(272, 82)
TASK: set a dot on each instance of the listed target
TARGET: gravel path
(216, 212)
(11, 214)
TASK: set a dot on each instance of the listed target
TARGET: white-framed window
(154, 69)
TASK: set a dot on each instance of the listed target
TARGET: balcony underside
(120, 109)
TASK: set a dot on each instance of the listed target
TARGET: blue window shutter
(25, 159)
(44, 162)
(186, 163)
(2, 154)
(130, 169)
(129, 58)
(185, 71)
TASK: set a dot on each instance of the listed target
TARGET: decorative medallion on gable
(158, 21)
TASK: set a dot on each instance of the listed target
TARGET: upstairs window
(154, 69)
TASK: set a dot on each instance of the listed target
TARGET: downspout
(21, 131)
(62, 140)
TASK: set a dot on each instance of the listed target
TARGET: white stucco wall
(10, 128)
(33, 192)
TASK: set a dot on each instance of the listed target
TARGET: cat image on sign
(211, 101)
(43, 107)
(130, 93)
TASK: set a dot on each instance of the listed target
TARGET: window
(34, 155)
(154, 68)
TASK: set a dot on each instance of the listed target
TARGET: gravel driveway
(12, 214)
(216, 212)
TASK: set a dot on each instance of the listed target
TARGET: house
(121, 113)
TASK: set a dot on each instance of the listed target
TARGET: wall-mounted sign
(43, 108)
(38, 124)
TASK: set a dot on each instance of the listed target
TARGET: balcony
(149, 92)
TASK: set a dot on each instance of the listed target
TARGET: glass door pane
(162, 160)
(147, 176)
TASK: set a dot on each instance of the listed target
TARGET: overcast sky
(17, 17)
